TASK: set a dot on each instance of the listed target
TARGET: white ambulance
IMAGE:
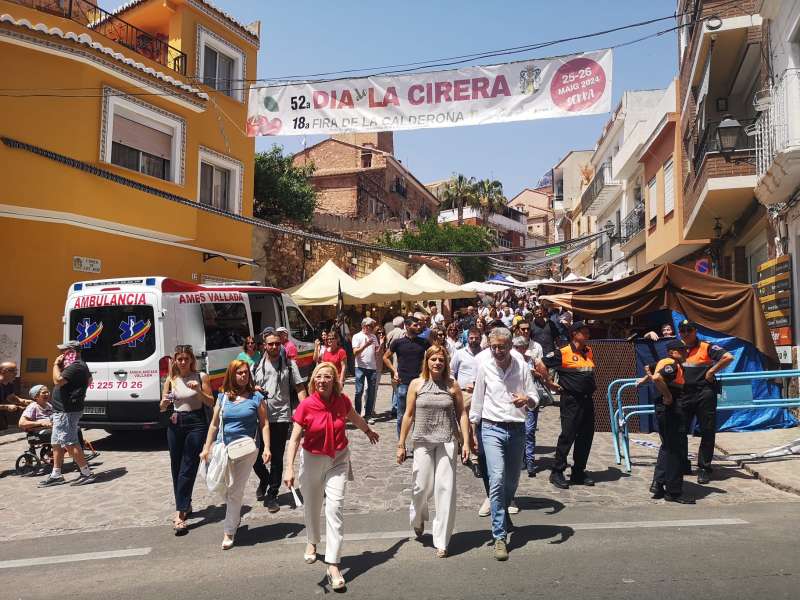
(129, 328)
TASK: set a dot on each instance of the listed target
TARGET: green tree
(283, 190)
(490, 198)
(433, 237)
(459, 191)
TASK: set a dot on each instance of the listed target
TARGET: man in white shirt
(437, 318)
(504, 390)
(365, 348)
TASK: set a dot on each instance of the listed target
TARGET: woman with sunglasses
(240, 411)
(321, 421)
(250, 352)
(435, 408)
(186, 391)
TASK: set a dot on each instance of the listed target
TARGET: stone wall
(284, 262)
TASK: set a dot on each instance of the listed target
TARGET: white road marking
(655, 524)
(67, 558)
(394, 535)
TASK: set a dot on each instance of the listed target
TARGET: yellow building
(122, 130)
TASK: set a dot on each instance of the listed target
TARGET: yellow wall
(37, 277)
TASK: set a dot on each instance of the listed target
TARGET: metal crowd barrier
(736, 394)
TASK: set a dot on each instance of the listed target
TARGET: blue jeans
(530, 438)
(402, 392)
(185, 439)
(371, 376)
(503, 444)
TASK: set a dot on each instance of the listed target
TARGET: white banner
(566, 86)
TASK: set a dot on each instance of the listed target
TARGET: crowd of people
(463, 387)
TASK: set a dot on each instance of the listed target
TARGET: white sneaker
(513, 508)
(486, 509)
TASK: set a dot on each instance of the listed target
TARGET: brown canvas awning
(724, 306)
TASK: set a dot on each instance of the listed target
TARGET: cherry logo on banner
(578, 84)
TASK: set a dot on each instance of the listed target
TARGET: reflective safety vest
(672, 372)
(576, 371)
(701, 357)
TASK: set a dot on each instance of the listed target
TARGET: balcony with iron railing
(708, 142)
(150, 45)
(777, 139)
(632, 225)
(601, 190)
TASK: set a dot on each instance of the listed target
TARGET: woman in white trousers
(321, 421)
(239, 410)
(435, 407)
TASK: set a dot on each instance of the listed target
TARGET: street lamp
(728, 135)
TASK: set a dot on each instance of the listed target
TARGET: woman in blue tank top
(240, 410)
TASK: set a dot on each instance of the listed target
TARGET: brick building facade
(722, 66)
(359, 179)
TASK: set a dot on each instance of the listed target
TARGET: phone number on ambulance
(118, 385)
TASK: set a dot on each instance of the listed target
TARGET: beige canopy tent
(385, 284)
(484, 288)
(323, 288)
(438, 287)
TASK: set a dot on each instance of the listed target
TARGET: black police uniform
(700, 398)
(576, 377)
(668, 475)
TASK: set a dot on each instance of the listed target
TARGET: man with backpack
(278, 378)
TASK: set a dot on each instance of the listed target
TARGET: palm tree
(490, 198)
(458, 192)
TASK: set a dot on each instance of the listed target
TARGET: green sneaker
(500, 550)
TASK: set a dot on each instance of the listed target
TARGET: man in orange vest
(575, 366)
(668, 377)
(700, 393)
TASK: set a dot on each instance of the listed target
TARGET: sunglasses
(183, 348)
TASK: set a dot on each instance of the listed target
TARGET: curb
(753, 470)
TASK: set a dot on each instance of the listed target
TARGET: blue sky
(311, 36)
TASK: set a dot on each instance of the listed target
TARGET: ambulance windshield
(114, 333)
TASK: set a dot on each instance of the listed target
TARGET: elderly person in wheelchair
(37, 422)
(37, 418)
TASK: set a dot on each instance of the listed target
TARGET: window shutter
(669, 187)
(141, 137)
(652, 200)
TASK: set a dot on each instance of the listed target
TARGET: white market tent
(322, 288)
(483, 288)
(441, 289)
(385, 284)
(574, 277)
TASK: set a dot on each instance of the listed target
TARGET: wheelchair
(39, 454)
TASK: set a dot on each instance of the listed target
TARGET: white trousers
(240, 473)
(322, 474)
(434, 474)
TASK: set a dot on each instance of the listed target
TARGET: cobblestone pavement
(135, 490)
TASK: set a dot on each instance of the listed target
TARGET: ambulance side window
(225, 324)
(300, 328)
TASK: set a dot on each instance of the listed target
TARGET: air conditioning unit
(762, 99)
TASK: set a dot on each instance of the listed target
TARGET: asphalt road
(664, 551)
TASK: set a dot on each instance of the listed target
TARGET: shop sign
(785, 354)
(84, 264)
(775, 295)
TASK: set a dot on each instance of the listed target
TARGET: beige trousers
(240, 473)
(434, 474)
(325, 475)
